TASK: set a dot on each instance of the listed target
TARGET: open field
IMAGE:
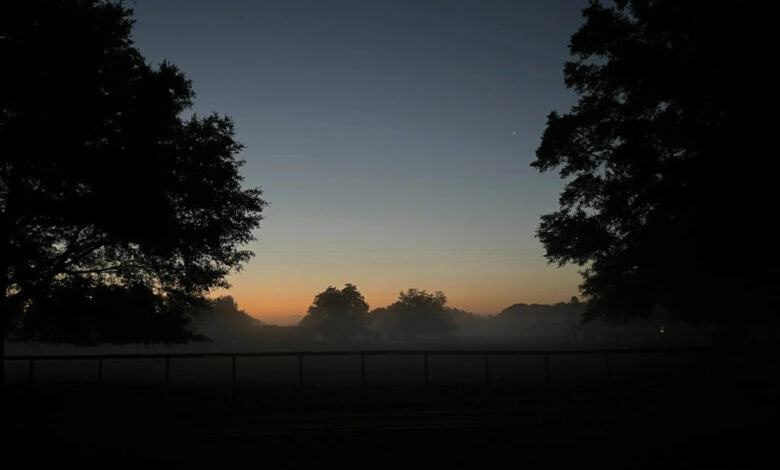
(700, 410)
(386, 367)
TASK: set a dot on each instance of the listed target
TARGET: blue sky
(392, 139)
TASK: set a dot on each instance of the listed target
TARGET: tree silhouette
(416, 314)
(104, 183)
(337, 315)
(668, 181)
(220, 319)
(79, 313)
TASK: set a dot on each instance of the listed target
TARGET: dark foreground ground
(725, 420)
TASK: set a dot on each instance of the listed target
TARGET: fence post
(425, 360)
(547, 367)
(234, 368)
(487, 370)
(666, 364)
(363, 368)
(300, 369)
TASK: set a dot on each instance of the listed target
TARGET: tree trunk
(2, 351)
(6, 307)
(4, 315)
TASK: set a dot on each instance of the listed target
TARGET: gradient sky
(392, 139)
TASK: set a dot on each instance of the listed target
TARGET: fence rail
(425, 354)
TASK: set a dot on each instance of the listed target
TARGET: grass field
(701, 411)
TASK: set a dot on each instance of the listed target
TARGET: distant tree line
(79, 313)
(339, 315)
(86, 315)
(343, 316)
(417, 314)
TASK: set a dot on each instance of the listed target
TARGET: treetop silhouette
(669, 184)
(337, 314)
(416, 314)
(104, 181)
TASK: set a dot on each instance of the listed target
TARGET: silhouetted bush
(416, 315)
(337, 315)
(221, 319)
(82, 314)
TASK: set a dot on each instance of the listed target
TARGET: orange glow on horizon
(282, 298)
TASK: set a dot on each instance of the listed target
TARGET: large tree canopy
(417, 314)
(103, 180)
(337, 314)
(670, 197)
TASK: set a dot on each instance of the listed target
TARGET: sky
(392, 139)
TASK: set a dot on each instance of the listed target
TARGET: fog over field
(224, 327)
(433, 234)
